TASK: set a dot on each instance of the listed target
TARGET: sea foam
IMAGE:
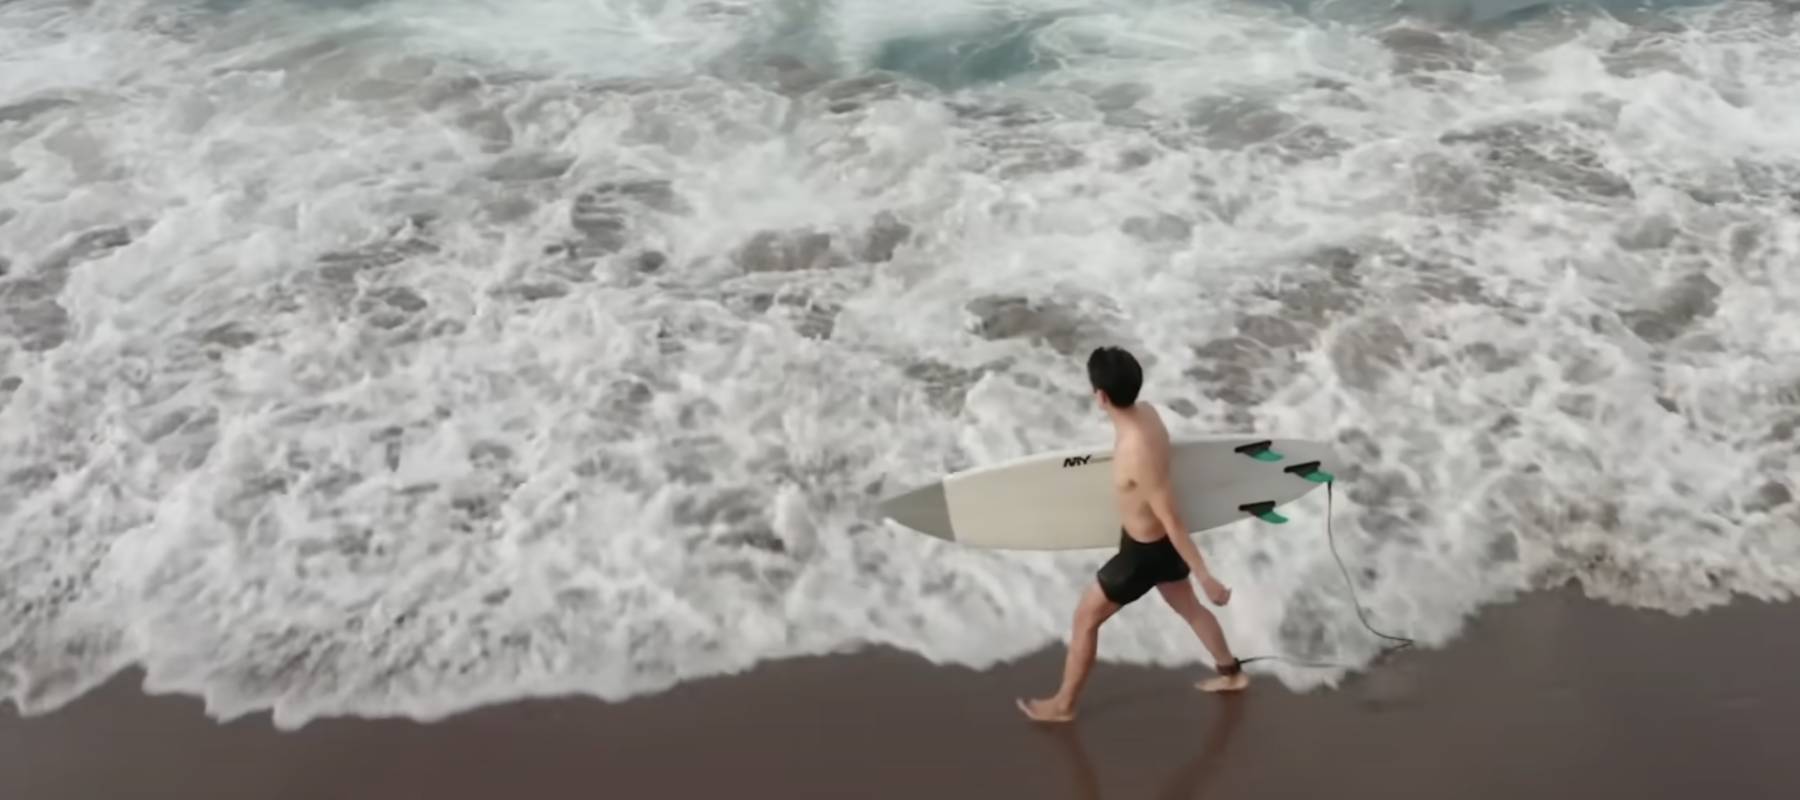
(395, 357)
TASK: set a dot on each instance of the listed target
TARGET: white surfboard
(1063, 500)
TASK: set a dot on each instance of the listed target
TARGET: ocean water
(392, 357)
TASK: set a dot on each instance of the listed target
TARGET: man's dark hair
(1116, 372)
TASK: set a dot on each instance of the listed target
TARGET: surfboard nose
(923, 509)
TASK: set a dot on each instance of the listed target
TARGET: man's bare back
(1154, 547)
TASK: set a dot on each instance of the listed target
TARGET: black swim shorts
(1138, 566)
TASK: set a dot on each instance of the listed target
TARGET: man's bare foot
(1224, 683)
(1216, 592)
(1046, 710)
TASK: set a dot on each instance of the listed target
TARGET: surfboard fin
(1264, 511)
(1310, 471)
(1259, 451)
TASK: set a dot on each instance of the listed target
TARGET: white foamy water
(394, 357)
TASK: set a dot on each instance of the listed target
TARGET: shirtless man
(1154, 546)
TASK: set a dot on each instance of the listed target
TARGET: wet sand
(1554, 696)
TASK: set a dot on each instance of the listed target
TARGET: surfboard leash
(1310, 471)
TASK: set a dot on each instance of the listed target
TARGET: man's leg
(1093, 610)
(1179, 595)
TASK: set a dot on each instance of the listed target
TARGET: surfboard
(1063, 499)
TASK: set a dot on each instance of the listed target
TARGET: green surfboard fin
(1310, 471)
(1259, 451)
(1264, 511)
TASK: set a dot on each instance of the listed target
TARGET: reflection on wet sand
(1184, 783)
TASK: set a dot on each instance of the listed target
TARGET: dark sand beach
(1552, 696)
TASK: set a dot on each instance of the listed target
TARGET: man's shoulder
(1146, 457)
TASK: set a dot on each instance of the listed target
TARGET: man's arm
(1162, 503)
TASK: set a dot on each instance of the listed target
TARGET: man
(1154, 546)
